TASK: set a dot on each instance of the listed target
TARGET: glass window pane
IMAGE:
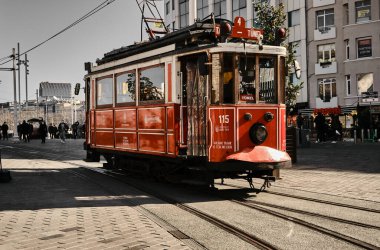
(329, 20)
(152, 82)
(126, 87)
(365, 82)
(267, 80)
(364, 48)
(320, 21)
(104, 91)
(247, 86)
(228, 78)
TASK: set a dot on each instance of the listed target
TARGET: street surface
(56, 201)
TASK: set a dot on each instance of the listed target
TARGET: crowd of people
(328, 128)
(26, 130)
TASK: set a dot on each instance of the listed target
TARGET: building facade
(344, 53)
(338, 46)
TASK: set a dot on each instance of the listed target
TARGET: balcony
(317, 3)
(327, 67)
(323, 33)
(326, 103)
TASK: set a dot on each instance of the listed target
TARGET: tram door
(194, 103)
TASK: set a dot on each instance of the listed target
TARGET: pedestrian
(320, 122)
(55, 131)
(74, 128)
(62, 129)
(42, 131)
(24, 131)
(50, 130)
(300, 120)
(337, 127)
(30, 131)
(4, 129)
(19, 131)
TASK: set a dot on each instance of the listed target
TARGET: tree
(271, 19)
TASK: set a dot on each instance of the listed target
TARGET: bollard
(369, 134)
(375, 134)
(355, 137)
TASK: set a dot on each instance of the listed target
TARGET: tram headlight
(258, 133)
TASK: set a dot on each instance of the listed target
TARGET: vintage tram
(200, 103)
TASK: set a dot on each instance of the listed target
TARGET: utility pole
(19, 78)
(26, 79)
(37, 104)
(14, 92)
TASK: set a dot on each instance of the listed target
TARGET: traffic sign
(370, 96)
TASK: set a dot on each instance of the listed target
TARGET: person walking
(43, 131)
(24, 130)
(74, 128)
(320, 126)
(4, 129)
(62, 129)
(50, 130)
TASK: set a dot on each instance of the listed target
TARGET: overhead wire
(90, 13)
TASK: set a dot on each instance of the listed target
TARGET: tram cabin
(193, 104)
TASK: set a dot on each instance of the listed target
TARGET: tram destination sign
(370, 96)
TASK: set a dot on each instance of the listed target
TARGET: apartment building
(343, 38)
(338, 46)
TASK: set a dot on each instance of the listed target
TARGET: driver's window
(228, 78)
(247, 86)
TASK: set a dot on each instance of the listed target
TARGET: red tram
(200, 103)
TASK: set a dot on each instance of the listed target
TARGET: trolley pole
(14, 92)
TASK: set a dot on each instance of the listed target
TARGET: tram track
(260, 206)
(338, 204)
(241, 234)
(309, 225)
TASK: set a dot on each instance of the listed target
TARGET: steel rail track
(247, 237)
(355, 223)
(320, 229)
(338, 204)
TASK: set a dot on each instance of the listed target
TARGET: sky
(30, 22)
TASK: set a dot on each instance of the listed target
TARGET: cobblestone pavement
(46, 207)
(343, 169)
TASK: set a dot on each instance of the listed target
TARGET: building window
(293, 18)
(167, 8)
(347, 49)
(364, 47)
(183, 13)
(325, 18)
(326, 53)
(363, 11)
(327, 89)
(152, 81)
(220, 8)
(239, 8)
(104, 90)
(173, 4)
(348, 84)
(126, 87)
(202, 9)
(365, 82)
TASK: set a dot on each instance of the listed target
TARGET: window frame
(185, 15)
(332, 85)
(203, 9)
(220, 2)
(348, 85)
(357, 47)
(291, 18)
(242, 6)
(361, 8)
(121, 104)
(330, 49)
(324, 15)
(167, 7)
(149, 102)
(108, 105)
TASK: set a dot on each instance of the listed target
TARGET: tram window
(126, 87)
(267, 84)
(152, 83)
(228, 78)
(104, 91)
(247, 86)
